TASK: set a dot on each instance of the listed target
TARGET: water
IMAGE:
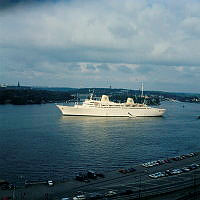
(36, 142)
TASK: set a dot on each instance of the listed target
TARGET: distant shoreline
(28, 96)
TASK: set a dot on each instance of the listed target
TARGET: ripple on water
(38, 143)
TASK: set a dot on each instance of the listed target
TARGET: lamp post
(140, 188)
(13, 193)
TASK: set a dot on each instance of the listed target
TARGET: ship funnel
(104, 98)
(129, 101)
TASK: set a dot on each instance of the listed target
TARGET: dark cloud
(73, 67)
(8, 4)
(103, 67)
(124, 69)
(124, 30)
(146, 69)
(91, 67)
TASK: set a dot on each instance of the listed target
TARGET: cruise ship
(106, 108)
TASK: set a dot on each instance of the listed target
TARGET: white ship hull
(79, 110)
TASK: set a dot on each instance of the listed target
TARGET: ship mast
(142, 90)
(91, 94)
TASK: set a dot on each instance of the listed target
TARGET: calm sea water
(37, 142)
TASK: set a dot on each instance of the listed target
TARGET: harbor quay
(169, 179)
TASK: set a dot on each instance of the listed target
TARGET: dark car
(125, 192)
(100, 175)
(168, 172)
(5, 187)
(82, 177)
(128, 191)
(193, 166)
(131, 169)
(176, 158)
(6, 198)
(185, 169)
(95, 195)
(91, 174)
(124, 171)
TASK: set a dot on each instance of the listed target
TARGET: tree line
(31, 96)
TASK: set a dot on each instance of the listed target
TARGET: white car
(185, 169)
(79, 197)
(176, 171)
(153, 176)
(195, 165)
(157, 175)
(110, 193)
(50, 183)
(160, 174)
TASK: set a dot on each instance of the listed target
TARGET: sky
(98, 43)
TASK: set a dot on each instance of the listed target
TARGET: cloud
(140, 33)
(119, 40)
(179, 68)
(124, 69)
(91, 67)
(104, 67)
(146, 69)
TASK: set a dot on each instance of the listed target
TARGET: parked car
(79, 197)
(94, 195)
(7, 187)
(176, 158)
(185, 169)
(193, 166)
(50, 183)
(157, 175)
(161, 162)
(91, 174)
(124, 171)
(6, 198)
(154, 176)
(168, 160)
(183, 157)
(160, 174)
(82, 177)
(131, 169)
(176, 171)
(168, 172)
(128, 191)
(100, 175)
(110, 193)
(150, 164)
